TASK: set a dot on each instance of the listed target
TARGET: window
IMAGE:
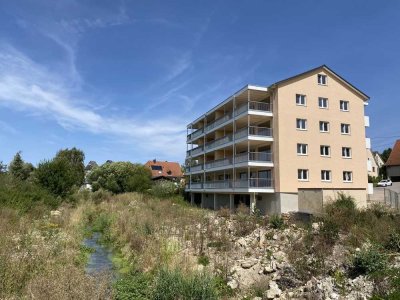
(373, 169)
(324, 126)
(347, 176)
(302, 174)
(344, 105)
(301, 99)
(345, 128)
(322, 79)
(302, 149)
(301, 124)
(323, 102)
(346, 152)
(326, 175)
(156, 168)
(325, 150)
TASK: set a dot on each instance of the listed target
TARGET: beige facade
(372, 165)
(264, 144)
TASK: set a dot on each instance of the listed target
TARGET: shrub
(277, 222)
(344, 202)
(20, 169)
(164, 188)
(329, 231)
(203, 260)
(100, 195)
(394, 241)
(134, 285)
(368, 260)
(120, 177)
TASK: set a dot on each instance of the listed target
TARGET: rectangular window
(326, 175)
(323, 102)
(301, 99)
(325, 150)
(347, 176)
(322, 79)
(346, 152)
(344, 105)
(156, 168)
(302, 174)
(301, 124)
(302, 149)
(345, 128)
(323, 126)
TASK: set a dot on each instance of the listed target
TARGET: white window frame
(344, 125)
(305, 124)
(345, 152)
(302, 175)
(301, 100)
(347, 178)
(323, 129)
(301, 147)
(321, 78)
(325, 147)
(345, 103)
(323, 100)
(326, 175)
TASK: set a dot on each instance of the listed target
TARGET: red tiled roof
(168, 169)
(394, 157)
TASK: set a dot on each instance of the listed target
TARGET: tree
(19, 169)
(3, 167)
(64, 172)
(385, 154)
(120, 177)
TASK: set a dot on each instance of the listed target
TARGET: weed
(277, 222)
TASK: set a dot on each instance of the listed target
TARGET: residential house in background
(372, 165)
(378, 159)
(287, 147)
(393, 163)
(165, 170)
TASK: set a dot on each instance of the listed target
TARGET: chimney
(154, 160)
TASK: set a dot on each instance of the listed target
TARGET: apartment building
(279, 148)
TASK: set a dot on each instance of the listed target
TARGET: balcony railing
(254, 183)
(219, 121)
(253, 130)
(195, 168)
(195, 151)
(194, 185)
(218, 163)
(195, 134)
(219, 184)
(253, 105)
(253, 156)
(219, 142)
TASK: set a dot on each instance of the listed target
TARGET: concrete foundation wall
(222, 201)
(360, 196)
(289, 202)
(208, 201)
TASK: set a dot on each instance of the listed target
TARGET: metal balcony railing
(253, 105)
(254, 183)
(253, 130)
(253, 156)
(219, 184)
(195, 168)
(218, 163)
(219, 121)
(219, 142)
(195, 151)
(195, 134)
(194, 185)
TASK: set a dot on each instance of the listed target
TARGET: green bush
(174, 284)
(368, 260)
(277, 222)
(394, 241)
(203, 260)
(134, 285)
(121, 177)
(345, 202)
(100, 195)
(163, 188)
(329, 231)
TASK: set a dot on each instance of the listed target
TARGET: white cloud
(27, 86)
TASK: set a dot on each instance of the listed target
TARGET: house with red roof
(165, 170)
(393, 163)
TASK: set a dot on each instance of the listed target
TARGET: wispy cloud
(7, 128)
(26, 86)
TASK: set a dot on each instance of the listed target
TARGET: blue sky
(121, 79)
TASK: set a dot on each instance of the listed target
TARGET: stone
(257, 298)
(275, 237)
(247, 264)
(233, 284)
(55, 213)
(273, 291)
(242, 242)
(270, 268)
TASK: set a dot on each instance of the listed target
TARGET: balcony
(254, 106)
(254, 183)
(195, 151)
(195, 134)
(366, 121)
(253, 157)
(219, 121)
(195, 168)
(218, 163)
(253, 131)
(368, 143)
(194, 185)
(219, 184)
(219, 142)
